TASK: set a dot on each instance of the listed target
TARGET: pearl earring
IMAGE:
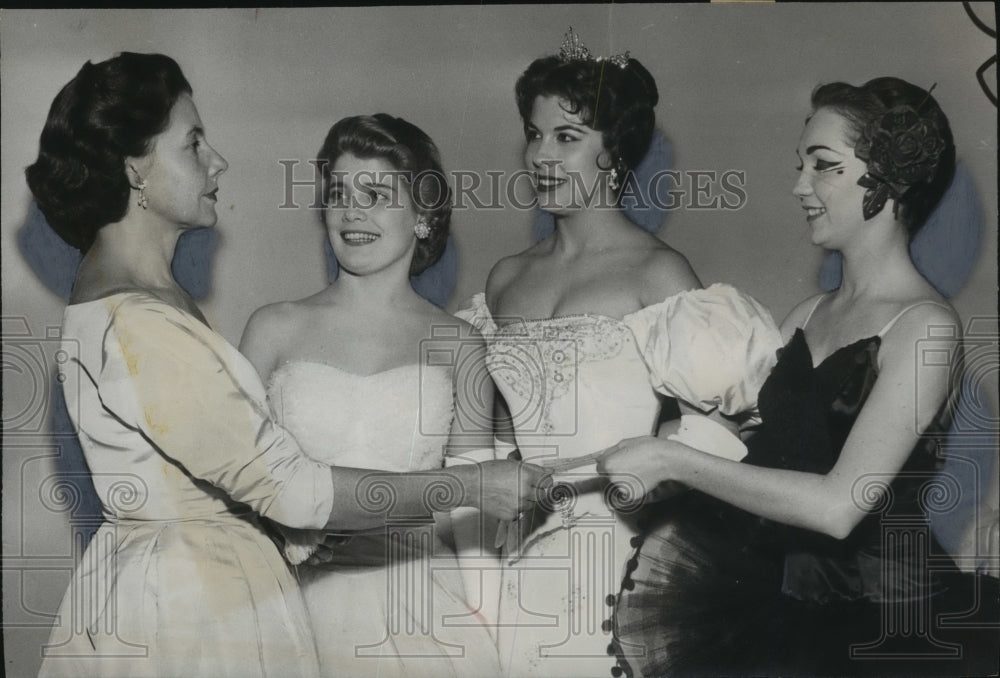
(422, 230)
(143, 201)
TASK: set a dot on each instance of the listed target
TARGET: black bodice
(714, 590)
(808, 413)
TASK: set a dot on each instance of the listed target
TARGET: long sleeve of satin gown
(201, 404)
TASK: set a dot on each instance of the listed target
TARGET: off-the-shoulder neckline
(561, 318)
(565, 318)
(595, 316)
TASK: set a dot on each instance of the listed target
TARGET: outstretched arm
(364, 498)
(908, 395)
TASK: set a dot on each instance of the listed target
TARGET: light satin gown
(574, 385)
(389, 602)
(180, 580)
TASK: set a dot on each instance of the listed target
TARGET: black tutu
(709, 594)
(715, 591)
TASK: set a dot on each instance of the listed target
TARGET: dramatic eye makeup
(821, 164)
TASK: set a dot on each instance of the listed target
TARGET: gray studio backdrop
(734, 82)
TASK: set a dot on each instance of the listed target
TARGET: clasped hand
(645, 460)
(510, 488)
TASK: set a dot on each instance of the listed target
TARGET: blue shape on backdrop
(86, 514)
(831, 271)
(55, 261)
(52, 259)
(970, 459)
(436, 284)
(645, 211)
(945, 250)
(192, 264)
(543, 225)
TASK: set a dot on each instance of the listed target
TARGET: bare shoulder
(281, 315)
(665, 272)
(273, 318)
(928, 321)
(267, 330)
(910, 357)
(796, 318)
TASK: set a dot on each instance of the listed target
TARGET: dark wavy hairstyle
(108, 112)
(863, 107)
(616, 101)
(410, 151)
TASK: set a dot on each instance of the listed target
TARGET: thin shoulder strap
(888, 325)
(812, 310)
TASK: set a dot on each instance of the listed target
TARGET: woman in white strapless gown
(572, 384)
(564, 358)
(369, 363)
(394, 599)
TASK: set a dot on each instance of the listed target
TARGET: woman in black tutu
(814, 555)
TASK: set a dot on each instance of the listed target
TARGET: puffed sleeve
(202, 405)
(712, 348)
(477, 313)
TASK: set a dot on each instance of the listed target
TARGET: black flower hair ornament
(902, 149)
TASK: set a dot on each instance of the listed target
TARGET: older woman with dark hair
(181, 580)
(814, 557)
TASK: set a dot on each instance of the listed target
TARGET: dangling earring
(618, 174)
(143, 201)
(422, 230)
(613, 179)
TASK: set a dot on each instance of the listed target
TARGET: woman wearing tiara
(815, 557)
(181, 579)
(390, 603)
(558, 320)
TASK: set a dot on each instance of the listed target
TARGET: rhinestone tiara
(573, 49)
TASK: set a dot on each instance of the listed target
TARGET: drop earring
(613, 179)
(143, 201)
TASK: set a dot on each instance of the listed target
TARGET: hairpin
(573, 49)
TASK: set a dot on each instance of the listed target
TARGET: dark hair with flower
(904, 137)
